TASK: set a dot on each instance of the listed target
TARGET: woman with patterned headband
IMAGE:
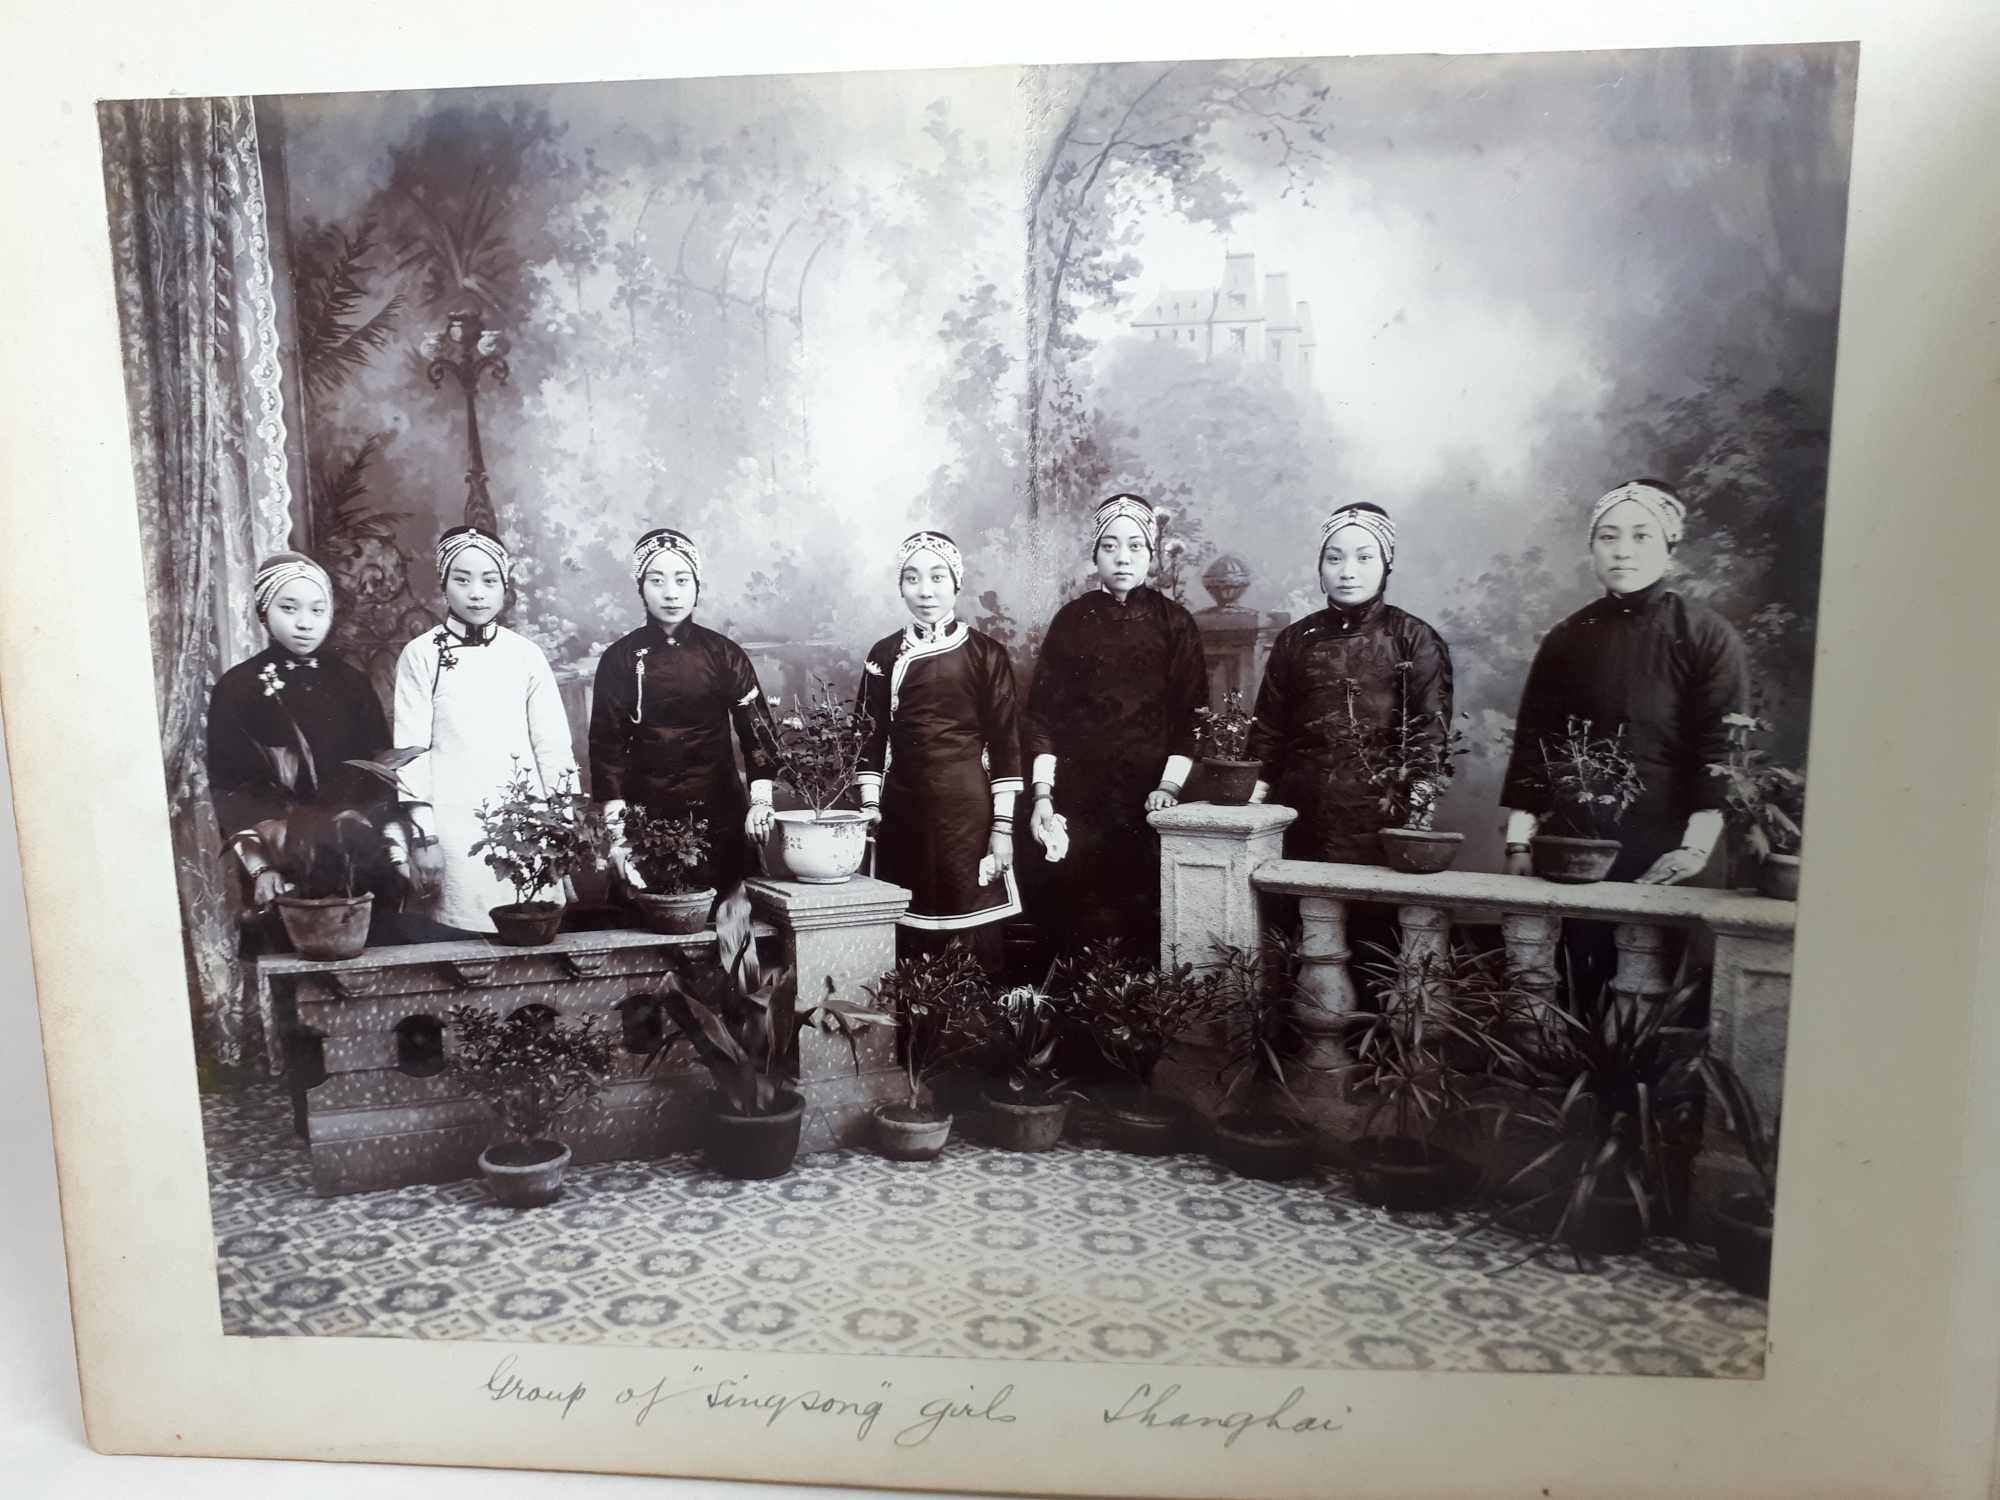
(1354, 669)
(1110, 736)
(477, 700)
(282, 727)
(1663, 668)
(667, 697)
(941, 770)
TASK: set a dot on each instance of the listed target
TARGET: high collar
(1138, 594)
(660, 635)
(921, 634)
(463, 633)
(1636, 603)
(1346, 619)
(288, 659)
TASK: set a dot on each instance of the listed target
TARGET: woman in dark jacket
(941, 769)
(666, 701)
(1339, 680)
(1110, 736)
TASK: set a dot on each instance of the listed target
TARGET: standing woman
(1110, 735)
(941, 769)
(477, 700)
(667, 696)
(1359, 666)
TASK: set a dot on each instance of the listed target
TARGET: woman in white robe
(479, 700)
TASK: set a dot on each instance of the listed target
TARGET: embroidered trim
(1011, 907)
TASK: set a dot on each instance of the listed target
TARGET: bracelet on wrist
(1519, 849)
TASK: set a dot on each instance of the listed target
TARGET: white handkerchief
(1057, 844)
(989, 869)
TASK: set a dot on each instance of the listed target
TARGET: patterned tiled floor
(1075, 1255)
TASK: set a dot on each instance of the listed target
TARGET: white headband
(1373, 522)
(1130, 508)
(286, 567)
(1664, 508)
(653, 543)
(932, 541)
(452, 544)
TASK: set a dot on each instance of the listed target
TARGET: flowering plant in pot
(1224, 737)
(670, 855)
(533, 839)
(1261, 1131)
(1763, 806)
(1740, 1222)
(935, 999)
(1027, 1100)
(818, 747)
(527, 1068)
(1592, 781)
(1410, 765)
(1136, 1015)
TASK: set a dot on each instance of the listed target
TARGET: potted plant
(743, 1022)
(1592, 780)
(327, 860)
(1135, 1016)
(934, 999)
(1763, 807)
(527, 1068)
(533, 839)
(1740, 1222)
(1224, 736)
(1027, 1101)
(669, 854)
(1409, 764)
(1261, 1131)
(1423, 1060)
(818, 748)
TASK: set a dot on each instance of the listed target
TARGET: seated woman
(667, 697)
(476, 700)
(1110, 735)
(941, 769)
(282, 728)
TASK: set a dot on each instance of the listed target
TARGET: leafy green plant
(527, 1067)
(1591, 774)
(1224, 733)
(329, 288)
(669, 853)
(818, 746)
(533, 839)
(1410, 764)
(935, 1000)
(1259, 1007)
(1135, 1014)
(1017, 1030)
(1763, 804)
(1745, 1123)
(323, 852)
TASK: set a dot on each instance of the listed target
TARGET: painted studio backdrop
(799, 318)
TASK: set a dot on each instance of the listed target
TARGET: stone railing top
(1665, 905)
(1213, 820)
(482, 950)
(856, 902)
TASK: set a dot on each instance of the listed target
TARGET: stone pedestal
(842, 936)
(1207, 856)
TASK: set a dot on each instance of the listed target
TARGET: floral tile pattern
(1075, 1255)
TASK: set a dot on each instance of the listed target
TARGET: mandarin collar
(929, 635)
(463, 633)
(1637, 602)
(1346, 620)
(659, 635)
(1137, 594)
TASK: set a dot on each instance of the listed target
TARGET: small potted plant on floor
(1409, 764)
(1591, 780)
(527, 1068)
(533, 839)
(1740, 1222)
(1764, 806)
(934, 1000)
(1261, 1131)
(1135, 1015)
(818, 749)
(1027, 1101)
(669, 855)
(1224, 736)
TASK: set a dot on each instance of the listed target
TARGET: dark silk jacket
(270, 751)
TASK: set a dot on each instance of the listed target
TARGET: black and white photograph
(1148, 713)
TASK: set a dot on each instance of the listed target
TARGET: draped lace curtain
(191, 255)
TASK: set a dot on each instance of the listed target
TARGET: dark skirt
(936, 822)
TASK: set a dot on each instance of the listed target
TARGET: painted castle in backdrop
(1236, 319)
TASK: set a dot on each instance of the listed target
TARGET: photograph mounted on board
(1150, 713)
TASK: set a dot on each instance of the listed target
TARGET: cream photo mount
(1884, 1351)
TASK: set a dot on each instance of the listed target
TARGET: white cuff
(1259, 793)
(760, 793)
(1703, 829)
(1179, 768)
(1521, 825)
(870, 783)
(1044, 770)
(1007, 786)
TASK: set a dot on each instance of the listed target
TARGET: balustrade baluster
(1642, 972)
(1327, 986)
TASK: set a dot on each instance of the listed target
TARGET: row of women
(1105, 734)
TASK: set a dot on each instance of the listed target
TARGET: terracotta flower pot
(1568, 861)
(822, 850)
(1608, 1224)
(525, 1174)
(1270, 1148)
(1420, 851)
(677, 914)
(906, 1134)
(326, 927)
(1778, 876)
(1230, 782)
(526, 924)
(1145, 1127)
(1025, 1127)
(752, 1147)
(1401, 1172)
(1740, 1227)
